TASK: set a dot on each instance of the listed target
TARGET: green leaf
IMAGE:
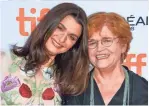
(7, 99)
(26, 80)
(33, 85)
(13, 68)
(40, 88)
(10, 97)
(3, 96)
(13, 56)
(33, 91)
(16, 61)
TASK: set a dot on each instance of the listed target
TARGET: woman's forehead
(103, 32)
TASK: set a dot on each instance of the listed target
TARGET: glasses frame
(97, 41)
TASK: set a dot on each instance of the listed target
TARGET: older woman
(110, 83)
(50, 62)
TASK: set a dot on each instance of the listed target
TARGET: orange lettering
(138, 63)
(22, 19)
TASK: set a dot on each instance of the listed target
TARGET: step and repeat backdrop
(19, 18)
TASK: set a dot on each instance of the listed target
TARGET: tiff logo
(22, 19)
(138, 63)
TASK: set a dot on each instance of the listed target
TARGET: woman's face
(64, 36)
(105, 49)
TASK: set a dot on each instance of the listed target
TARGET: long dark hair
(71, 67)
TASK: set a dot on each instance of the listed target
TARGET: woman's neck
(112, 74)
(44, 65)
(49, 62)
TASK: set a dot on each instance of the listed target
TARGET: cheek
(55, 32)
(48, 43)
(92, 55)
(116, 52)
(69, 44)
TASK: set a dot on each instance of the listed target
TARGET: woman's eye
(60, 28)
(92, 43)
(72, 38)
(107, 40)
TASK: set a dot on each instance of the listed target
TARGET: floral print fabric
(20, 88)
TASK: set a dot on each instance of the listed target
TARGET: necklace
(126, 89)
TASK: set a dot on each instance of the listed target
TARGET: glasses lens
(107, 42)
(92, 45)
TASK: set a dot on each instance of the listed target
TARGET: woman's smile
(56, 44)
(102, 56)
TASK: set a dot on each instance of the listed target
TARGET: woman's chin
(52, 53)
(102, 66)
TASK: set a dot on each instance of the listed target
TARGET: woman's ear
(124, 47)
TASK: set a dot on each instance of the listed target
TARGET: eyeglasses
(106, 42)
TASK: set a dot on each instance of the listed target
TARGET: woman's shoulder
(10, 62)
(138, 88)
(72, 100)
(137, 79)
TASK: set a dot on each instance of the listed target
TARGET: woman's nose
(63, 38)
(100, 46)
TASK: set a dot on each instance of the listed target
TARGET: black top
(138, 93)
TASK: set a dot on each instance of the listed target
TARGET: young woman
(52, 61)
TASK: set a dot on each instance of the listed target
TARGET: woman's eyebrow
(62, 25)
(91, 40)
(72, 34)
(66, 28)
